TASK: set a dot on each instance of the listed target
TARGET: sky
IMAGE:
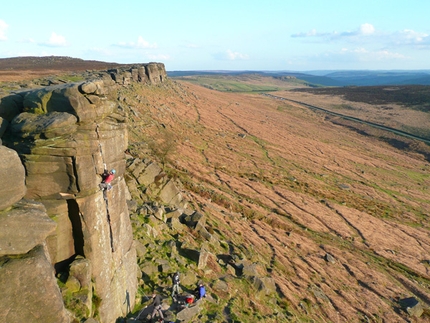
(270, 35)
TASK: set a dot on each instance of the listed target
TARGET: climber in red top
(107, 179)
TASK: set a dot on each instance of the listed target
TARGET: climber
(107, 179)
(175, 288)
(156, 302)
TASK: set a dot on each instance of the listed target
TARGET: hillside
(333, 216)
(339, 220)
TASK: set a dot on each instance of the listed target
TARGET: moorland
(335, 212)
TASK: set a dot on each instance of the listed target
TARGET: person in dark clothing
(156, 302)
(175, 288)
(107, 179)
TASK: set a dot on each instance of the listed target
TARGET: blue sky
(224, 35)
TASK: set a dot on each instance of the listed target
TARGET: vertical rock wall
(65, 135)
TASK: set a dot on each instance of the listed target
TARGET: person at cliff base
(200, 291)
(175, 288)
(156, 302)
(107, 179)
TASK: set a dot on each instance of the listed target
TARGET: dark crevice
(75, 220)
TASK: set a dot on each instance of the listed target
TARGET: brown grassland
(287, 187)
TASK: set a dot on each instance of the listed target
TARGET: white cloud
(413, 38)
(362, 54)
(55, 41)
(312, 33)
(367, 29)
(364, 30)
(235, 55)
(229, 55)
(140, 44)
(3, 28)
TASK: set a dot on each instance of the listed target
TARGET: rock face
(152, 73)
(65, 136)
(11, 172)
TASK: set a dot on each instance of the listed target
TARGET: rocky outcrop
(65, 136)
(152, 73)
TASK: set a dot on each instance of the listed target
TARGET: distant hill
(51, 63)
(332, 78)
(365, 78)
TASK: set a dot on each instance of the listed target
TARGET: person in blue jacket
(201, 291)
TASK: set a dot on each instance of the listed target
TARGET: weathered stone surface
(61, 244)
(329, 258)
(48, 125)
(264, 285)
(220, 285)
(140, 249)
(10, 106)
(170, 194)
(24, 227)
(149, 175)
(203, 258)
(11, 172)
(252, 269)
(81, 269)
(93, 87)
(3, 125)
(73, 284)
(187, 314)
(29, 290)
(194, 219)
(156, 72)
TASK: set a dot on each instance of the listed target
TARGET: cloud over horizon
(3, 28)
(140, 44)
(55, 41)
(365, 29)
(229, 55)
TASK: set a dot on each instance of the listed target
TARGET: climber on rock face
(108, 176)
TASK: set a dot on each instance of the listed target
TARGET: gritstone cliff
(55, 219)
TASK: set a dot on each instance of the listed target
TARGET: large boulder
(10, 106)
(24, 227)
(29, 290)
(11, 172)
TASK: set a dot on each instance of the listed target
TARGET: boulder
(412, 306)
(149, 174)
(264, 285)
(188, 313)
(329, 258)
(11, 172)
(81, 269)
(24, 227)
(29, 290)
(48, 125)
(10, 106)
